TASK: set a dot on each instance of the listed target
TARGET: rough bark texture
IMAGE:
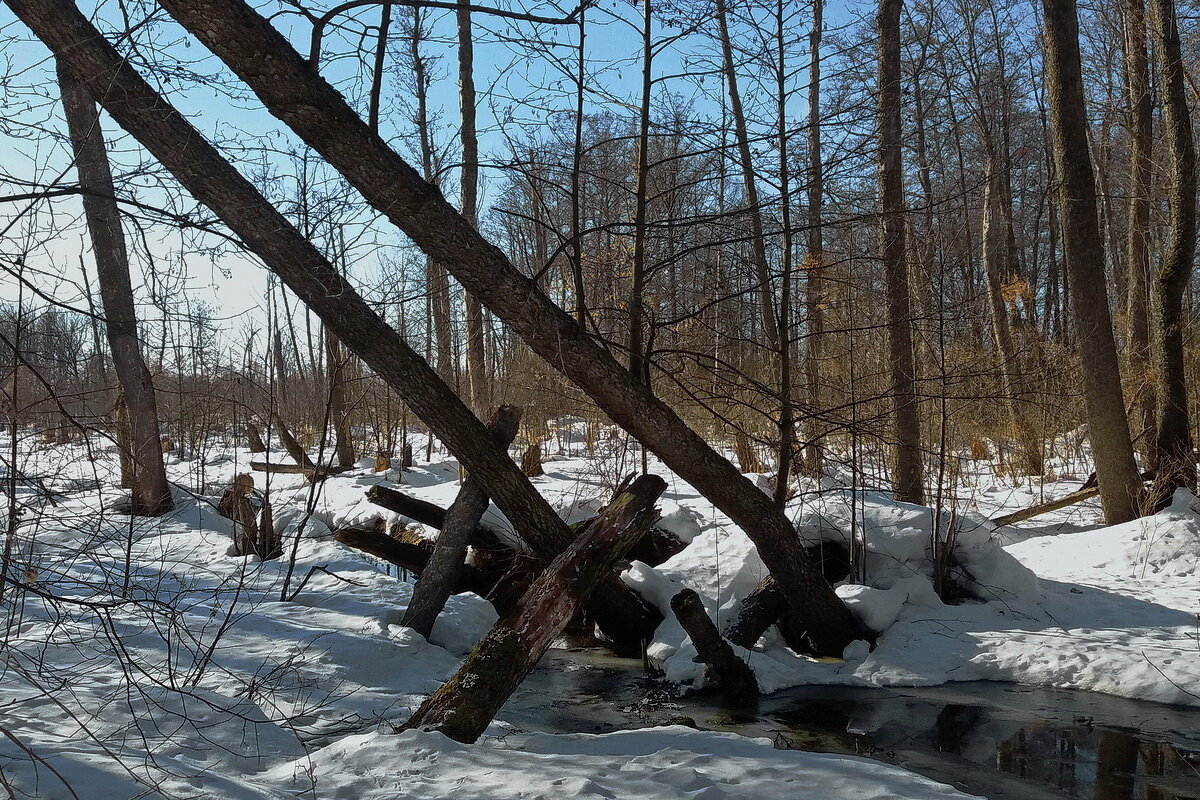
(737, 680)
(466, 704)
(907, 475)
(151, 494)
(458, 526)
(208, 177)
(261, 56)
(1141, 166)
(1083, 252)
(1174, 459)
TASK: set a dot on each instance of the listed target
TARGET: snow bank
(671, 763)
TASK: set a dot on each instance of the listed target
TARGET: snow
(662, 763)
(200, 677)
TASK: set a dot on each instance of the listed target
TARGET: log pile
(466, 704)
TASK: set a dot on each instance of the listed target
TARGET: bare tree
(151, 494)
(1083, 254)
(908, 478)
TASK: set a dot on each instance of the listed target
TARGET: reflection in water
(991, 739)
(1076, 757)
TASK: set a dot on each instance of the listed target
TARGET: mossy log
(737, 680)
(466, 704)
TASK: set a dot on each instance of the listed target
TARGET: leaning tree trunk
(288, 88)
(151, 494)
(1174, 459)
(268, 234)
(907, 478)
(1083, 254)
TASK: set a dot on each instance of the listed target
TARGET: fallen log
(411, 556)
(738, 684)
(766, 605)
(1089, 490)
(420, 511)
(466, 704)
(654, 548)
(459, 525)
(758, 611)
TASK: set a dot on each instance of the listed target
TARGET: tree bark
(468, 199)
(339, 404)
(1174, 458)
(814, 290)
(758, 237)
(466, 704)
(635, 303)
(907, 477)
(1141, 165)
(1083, 254)
(151, 494)
(458, 527)
(737, 680)
(262, 57)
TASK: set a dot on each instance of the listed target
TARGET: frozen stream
(993, 739)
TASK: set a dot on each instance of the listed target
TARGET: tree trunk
(468, 198)
(151, 494)
(758, 238)
(1083, 254)
(635, 304)
(997, 260)
(466, 704)
(254, 438)
(737, 680)
(814, 294)
(339, 405)
(1174, 459)
(289, 89)
(1141, 165)
(907, 478)
(293, 447)
(458, 526)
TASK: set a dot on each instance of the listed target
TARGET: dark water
(997, 740)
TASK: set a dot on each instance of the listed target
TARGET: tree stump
(531, 461)
(737, 680)
(254, 437)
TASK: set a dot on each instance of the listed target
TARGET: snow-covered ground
(141, 660)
